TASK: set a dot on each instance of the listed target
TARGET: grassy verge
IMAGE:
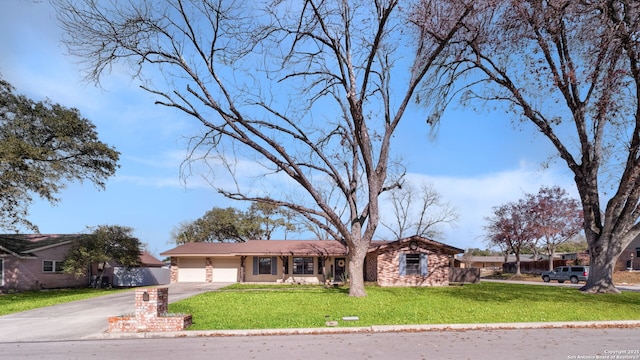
(246, 307)
(619, 277)
(12, 303)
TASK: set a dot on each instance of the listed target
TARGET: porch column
(242, 269)
(209, 270)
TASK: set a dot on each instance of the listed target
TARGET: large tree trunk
(357, 257)
(604, 252)
(518, 272)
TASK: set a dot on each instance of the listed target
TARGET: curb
(367, 329)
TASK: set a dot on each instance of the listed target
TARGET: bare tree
(301, 90)
(572, 69)
(419, 212)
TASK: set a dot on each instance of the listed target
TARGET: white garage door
(226, 270)
(192, 270)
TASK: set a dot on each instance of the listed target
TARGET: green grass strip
(262, 307)
(28, 300)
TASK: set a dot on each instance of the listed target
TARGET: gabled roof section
(24, 245)
(427, 242)
(149, 260)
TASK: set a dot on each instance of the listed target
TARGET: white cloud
(474, 197)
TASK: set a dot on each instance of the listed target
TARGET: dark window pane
(58, 266)
(413, 264)
(303, 265)
(264, 265)
(47, 266)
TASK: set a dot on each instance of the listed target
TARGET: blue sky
(479, 160)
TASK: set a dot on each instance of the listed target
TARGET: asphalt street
(524, 344)
(77, 331)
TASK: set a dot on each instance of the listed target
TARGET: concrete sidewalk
(371, 329)
(79, 319)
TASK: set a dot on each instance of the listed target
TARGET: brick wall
(371, 267)
(208, 269)
(150, 315)
(388, 266)
(627, 255)
(174, 269)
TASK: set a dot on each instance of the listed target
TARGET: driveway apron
(79, 319)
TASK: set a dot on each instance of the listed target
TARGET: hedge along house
(414, 261)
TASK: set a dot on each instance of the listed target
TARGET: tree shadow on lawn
(491, 292)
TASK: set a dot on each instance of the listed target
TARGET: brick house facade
(34, 261)
(390, 264)
(413, 261)
(629, 259)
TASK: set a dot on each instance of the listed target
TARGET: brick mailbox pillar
(151, 314)
(151, 303)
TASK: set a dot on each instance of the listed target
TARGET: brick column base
(151, 314)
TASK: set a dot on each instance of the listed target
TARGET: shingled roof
(24, 245)
(283, 248)
(260, 247)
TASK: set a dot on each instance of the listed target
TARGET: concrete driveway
(84, 318)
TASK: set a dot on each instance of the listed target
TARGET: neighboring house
(492, 262)
(34, 261)
(483, 262)
(497, 263)
(30, 262)
(576, 258)
(630, 257)
(414, 261)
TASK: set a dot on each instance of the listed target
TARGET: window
(52, 266)
(413, 264)
(1, 272)
(264, 265)
(303, 266)
(638, 252)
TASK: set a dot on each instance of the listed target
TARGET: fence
(140, 276)
(464, 275)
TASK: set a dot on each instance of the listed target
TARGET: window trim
(56, 266)
(274, 265)
(423, 265)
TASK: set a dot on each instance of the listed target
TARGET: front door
(339, 266)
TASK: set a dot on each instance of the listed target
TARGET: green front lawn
(263, 307)
(12, 303)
